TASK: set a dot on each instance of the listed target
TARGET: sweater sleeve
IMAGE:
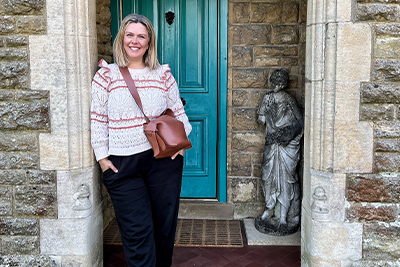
(174, 101)
(99, 111)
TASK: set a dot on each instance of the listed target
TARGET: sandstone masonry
(374, 198)
(26, 192)
(262, 36)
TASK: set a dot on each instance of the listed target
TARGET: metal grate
(193, 233)
(209, 233)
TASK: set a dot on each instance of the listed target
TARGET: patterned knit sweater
(116, 120)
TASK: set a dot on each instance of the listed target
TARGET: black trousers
(145, 194)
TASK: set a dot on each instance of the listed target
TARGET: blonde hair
(150, 57)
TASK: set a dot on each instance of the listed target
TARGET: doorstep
(255, 238)
(189, 209)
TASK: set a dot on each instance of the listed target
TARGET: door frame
(222, 89)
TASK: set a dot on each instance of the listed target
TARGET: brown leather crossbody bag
(166, 134)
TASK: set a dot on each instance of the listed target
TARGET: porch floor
(247, 256)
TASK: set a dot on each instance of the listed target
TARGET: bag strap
(132, 88)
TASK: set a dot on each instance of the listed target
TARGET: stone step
(205, 210)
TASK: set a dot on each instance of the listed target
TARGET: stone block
(13, 54)
(22, 141)
(47, 64)
(248, 142)
(332, 242)
(277, 51)
(257, 171)
(245, 119)
(12, 177)
(367, 212)
(381, 242)
(6, 207)
(353, 53)
(239, 13)
(266, 13)
(103, 34)
(382, 188)
(256, 97)
(287, 62)
(36, 201)
(377, 112)
(387, 129)
(69, 184)
(386, 162)
(267, 62)
(380, 93)
(20, 7)
(290, 12)
(77, 237)
(29, 261)
(25, 245)
(241, 98)
(6, 193)
(285, 34)
(6, 95)
(15, 40)
(105, 49)
(331, 186)
(377, 12)
(41, 177)
(386, 70)
(103, 13)
(7, 24)
(387, 146)
(241, 56)
(18, 226)
(353, 147)
(240, 164)
(242, 190)
(388, 29)
(31, 24)
(18, 160)
(248, 210)
(30, 95)
(14, 74)
(249, 35)
(250, 78)
(387, 47)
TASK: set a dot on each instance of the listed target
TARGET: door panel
(189, 46)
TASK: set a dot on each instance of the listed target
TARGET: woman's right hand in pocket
(106, 164)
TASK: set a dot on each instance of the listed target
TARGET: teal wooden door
(188, 43)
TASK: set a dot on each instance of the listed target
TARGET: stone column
(63, 62)
(338, 59)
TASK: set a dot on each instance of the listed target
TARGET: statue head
(279, 79)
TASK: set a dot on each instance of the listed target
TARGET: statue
(283, 118)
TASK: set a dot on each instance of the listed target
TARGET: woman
(284, 128)
(145, 191)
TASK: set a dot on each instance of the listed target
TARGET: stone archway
(351, 136)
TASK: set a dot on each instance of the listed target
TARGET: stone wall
(103, 25)
(374, 198)
(26, 192)
(262, 36)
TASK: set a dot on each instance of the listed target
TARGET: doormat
(193, 233)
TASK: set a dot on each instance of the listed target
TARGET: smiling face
(136, 43)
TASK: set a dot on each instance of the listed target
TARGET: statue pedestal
(271, 226)
(255, 238)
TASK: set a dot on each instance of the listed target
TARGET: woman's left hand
(180, 152)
